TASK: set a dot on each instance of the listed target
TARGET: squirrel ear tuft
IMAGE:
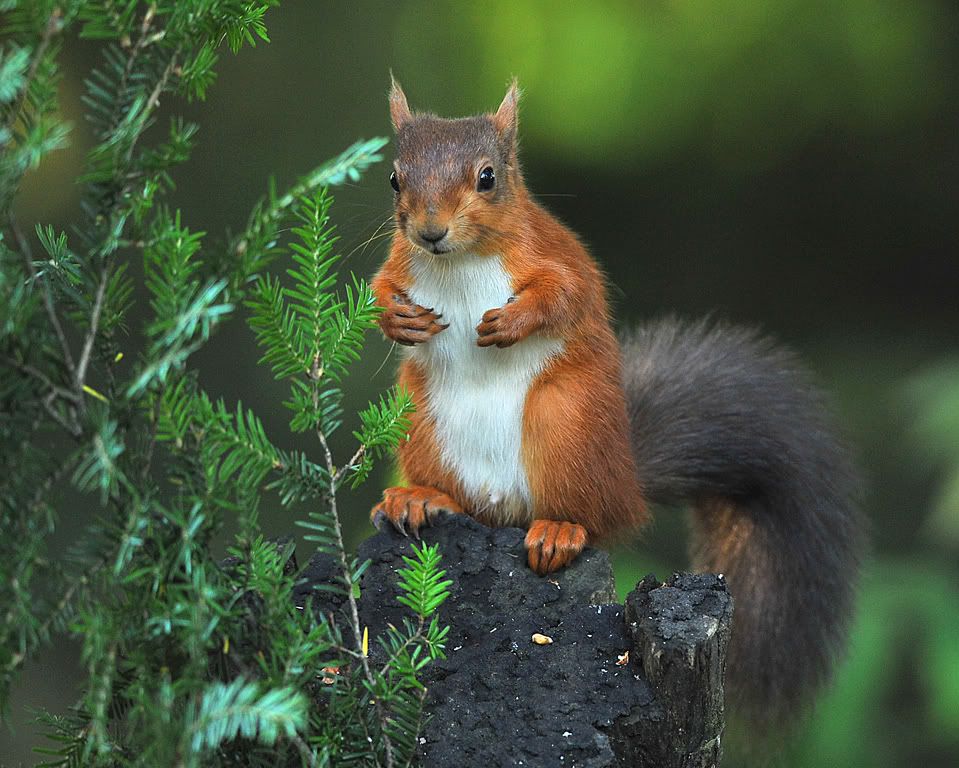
(399, 109)
(505, 119)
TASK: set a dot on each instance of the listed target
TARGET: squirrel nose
(433, 234)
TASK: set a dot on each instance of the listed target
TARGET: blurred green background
(793, 165)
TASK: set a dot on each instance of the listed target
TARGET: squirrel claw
(409, 509)
(408, 324)
(553, 544)
(378, 518)
(502, 326)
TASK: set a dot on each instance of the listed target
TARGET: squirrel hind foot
(553, 544)
(409, 509)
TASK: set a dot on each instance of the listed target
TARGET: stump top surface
(499, 699)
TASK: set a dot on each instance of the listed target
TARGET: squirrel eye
(486, 180)
(394, 182)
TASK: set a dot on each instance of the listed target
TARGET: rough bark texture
(638, 686)
(681, 629)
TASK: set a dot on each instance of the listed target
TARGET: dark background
(793, 165)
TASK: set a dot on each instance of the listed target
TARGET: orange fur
(542, 432)
(552, 545)
(402, 320)
(575, 444)
(419, 456)
(409, 509)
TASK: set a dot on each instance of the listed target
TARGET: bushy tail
(726, 420)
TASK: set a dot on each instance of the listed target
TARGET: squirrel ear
(399, 109)
(505, 118)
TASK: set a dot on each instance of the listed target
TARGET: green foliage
(384, 425)
(306, 329)
(905, 635)
(13, 70)
(421, 581)
(239, 708)
(189, 660)
(768, 75)
(934, 399)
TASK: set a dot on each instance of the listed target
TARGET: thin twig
(141, 43)
(17, 659)
(53, 26)
(406, 644)
(337, 476)
(42, 490)
(306, 754)
(154, 427)
(80, 378)
(152, 102)
(154, 98)
(27, 253)
(70, 426)
(351, 599)
(40, 376)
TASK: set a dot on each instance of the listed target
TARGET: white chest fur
(476, 394)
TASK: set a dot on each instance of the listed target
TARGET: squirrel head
(455, 180)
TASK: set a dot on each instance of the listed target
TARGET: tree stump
(635, 685)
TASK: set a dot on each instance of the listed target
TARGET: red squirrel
(531, 413)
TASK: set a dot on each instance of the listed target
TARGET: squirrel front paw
(504, 326)
(407, 323)
(409, 509)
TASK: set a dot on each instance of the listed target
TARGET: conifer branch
(43, 629)
(95, 313)
(188, 660)
(106, 269)
(27, 254)
(134, 52)
(351, 600)
(53, 27)
(42, 378)
(354, 460)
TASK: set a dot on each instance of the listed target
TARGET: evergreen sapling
(189, 661)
